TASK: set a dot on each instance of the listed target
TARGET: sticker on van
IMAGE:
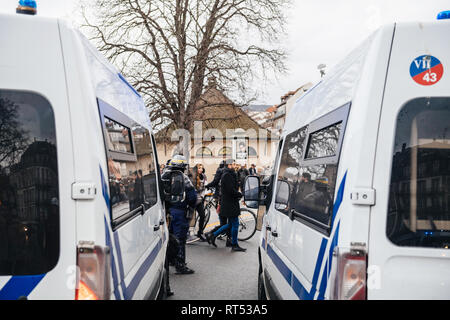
(426, 70)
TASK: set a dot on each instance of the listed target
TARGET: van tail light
(93, 272)
(350, 281)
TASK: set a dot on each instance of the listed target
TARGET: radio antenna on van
(321, 68)
(27, 7)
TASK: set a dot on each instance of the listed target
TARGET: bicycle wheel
(205, 223)
(247, 224)
(207, 216)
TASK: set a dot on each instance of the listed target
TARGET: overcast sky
(319, 31)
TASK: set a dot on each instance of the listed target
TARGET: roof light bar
(27, 7)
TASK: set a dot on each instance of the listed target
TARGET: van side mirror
(283, 193)
(251, 192)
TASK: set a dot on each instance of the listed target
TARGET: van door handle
(156, 227)
(268, 228)
(275, 234)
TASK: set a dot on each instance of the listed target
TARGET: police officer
(178, 209)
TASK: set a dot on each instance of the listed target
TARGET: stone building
(280, 111)
(221, 130)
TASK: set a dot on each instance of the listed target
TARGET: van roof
(335, 89)
(108, 82)
(339, 85)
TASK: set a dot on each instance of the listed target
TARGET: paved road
(220, 274)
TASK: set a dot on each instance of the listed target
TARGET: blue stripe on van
(131, 289)
(129, 85)
(326, 275)
(281, 266)
(339, 198)
(120, 261)
(301, 291)
(19, 286)
(319, 261)
(113, 261)
(104, 188)
(289, 276)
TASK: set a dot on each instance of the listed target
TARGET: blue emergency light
(27, 7)
(443, 15)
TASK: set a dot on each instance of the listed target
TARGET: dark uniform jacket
(216, 181)
(229, 202)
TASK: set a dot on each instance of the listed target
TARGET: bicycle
(194, 226)
(247, 219)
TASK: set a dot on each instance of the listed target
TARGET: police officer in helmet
(178, 210)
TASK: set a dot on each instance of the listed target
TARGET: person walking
(199, 181)
(229, 206)
(216, 184)
(178, 210)
(216, 180)
(252, 170)
(242, 174)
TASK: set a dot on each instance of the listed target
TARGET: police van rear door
(410, 223)
(37, 214)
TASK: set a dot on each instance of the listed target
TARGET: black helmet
(178, 162)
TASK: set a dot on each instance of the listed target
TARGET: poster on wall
(241, 151)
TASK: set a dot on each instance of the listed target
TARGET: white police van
(81, 215)
(360, 207)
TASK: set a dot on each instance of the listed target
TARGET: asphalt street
(220, 274)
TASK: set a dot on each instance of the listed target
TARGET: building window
(252, 152)
(204, 152)
(225, 152)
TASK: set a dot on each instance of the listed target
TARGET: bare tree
(13, 139)
(169, 49)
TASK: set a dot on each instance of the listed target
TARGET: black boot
(183, 269)
(169, 291)
(228, 244)
(211, 239)
(235, 247)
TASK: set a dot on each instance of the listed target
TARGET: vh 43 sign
(426, 70)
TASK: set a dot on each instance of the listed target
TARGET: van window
(131, 167)
(292, 155)
(133, 183)
(419, 201)
(315, 192)
(311, 171)
(118, 137)
(324, 143)
(29, 195)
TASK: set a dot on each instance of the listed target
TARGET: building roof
(256, 108)
(217, 111)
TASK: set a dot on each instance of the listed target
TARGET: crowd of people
(228, 184)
